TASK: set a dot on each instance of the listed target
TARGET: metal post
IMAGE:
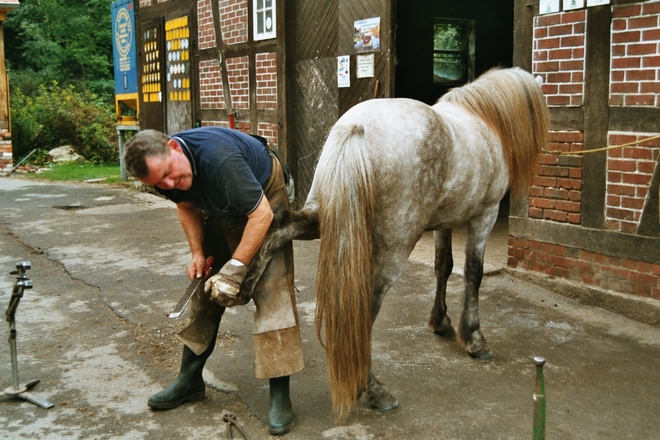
(539, 400)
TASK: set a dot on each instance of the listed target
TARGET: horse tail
(345, 193)
(511, 102)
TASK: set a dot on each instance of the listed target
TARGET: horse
(390, 170)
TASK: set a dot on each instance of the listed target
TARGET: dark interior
(414, 41)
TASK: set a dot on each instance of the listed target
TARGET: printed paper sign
(365, 66)
(343, 71)
(548, 6)
(366, 35)
(573, 4)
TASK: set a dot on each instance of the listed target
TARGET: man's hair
(147, 143)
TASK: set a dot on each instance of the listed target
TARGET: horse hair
(511, 102)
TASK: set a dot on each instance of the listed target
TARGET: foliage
(60, 40)
(59, 116)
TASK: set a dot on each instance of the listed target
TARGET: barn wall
(593, 218)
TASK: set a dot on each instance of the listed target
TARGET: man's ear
(174, 145)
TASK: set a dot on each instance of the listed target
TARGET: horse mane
(511, 102)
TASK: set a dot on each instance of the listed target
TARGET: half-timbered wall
(593, 217)
(235, 77)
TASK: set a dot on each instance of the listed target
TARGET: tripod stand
(20, 390)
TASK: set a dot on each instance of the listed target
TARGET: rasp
(194, 287)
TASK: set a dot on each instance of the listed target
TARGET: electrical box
(125, 60)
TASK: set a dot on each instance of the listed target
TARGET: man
(225, 185)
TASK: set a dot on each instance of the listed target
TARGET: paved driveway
(109, 264)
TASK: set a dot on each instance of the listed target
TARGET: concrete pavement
(109, 264)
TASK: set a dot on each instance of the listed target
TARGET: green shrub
(59, 116)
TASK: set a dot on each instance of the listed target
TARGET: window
(453, 51)
(264, 19)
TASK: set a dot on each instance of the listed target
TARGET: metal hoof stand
(539, 400)
(20, 390)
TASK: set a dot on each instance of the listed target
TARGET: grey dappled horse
(390, 170)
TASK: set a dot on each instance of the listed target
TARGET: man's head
(157, 160)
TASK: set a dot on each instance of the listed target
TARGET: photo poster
(343, 71)
(366, 35)
(548, 6)
(573, 4)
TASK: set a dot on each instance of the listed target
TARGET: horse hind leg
(379, 396)
(469, 327)
(439, 321)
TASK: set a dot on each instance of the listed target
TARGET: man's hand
(196, 268)
(225, 285)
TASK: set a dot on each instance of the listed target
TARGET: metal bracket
(20, 390)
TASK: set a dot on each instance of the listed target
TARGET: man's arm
(192, 221)
(255, 232)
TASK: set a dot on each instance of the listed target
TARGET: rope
(611, 147)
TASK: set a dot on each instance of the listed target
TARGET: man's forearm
(255, 232)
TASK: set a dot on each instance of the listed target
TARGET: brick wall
(210, 85)
(635, 56)
(234, 24)
(205, 27)
(622, 275)
(629, 173)
(237, 70)
(6, 157)
(559, 56)
(267, 80)
(556, 191)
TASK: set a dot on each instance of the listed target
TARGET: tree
(60, 40)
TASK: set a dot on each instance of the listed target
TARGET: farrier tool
(20, 390)
(192, 289)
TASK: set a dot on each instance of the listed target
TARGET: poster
(597, 2)
(548, 6)
(366, 35)
(343, 71)
(365, 66)
(573, 4)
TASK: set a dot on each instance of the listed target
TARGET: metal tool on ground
(196, 284)
(20, 390)
(539, 400)
(230, 419)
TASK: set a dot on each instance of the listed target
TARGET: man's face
(171, 172)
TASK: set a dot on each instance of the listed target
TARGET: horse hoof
(445, 332)
(384, 404)
(482, 355)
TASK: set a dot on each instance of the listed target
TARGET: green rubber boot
(189, 384)
(280, 416)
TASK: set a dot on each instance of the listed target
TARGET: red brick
(651, 35)
(558, 100)
(548, 20)
(569, 184)
(571, 65)
(575, 219)
(621, 165)
(650, 21)
(631, 203)
(626, 37)
(543, 203)
(568, 206)
(621, 214)
(650, 87)
(626, 11)
(637, 179)
(573, 17)
(619, 24)
(638, 153)
(626, 63)
(560, 54)
(575, 40)
(540, 32)
(645, 100)
(558, 216)
(549, 43)
(642, 49)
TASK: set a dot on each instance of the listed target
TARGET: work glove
(225, 285)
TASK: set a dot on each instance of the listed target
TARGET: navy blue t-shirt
(230, 170)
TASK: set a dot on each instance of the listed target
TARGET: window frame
(265, 35)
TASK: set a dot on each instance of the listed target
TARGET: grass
(79, 172)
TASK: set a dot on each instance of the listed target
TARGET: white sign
(573, 4)
(365, 66)
(548, 6)
(597, 2)
(343, 71)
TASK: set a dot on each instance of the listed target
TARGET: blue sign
(123, 44)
